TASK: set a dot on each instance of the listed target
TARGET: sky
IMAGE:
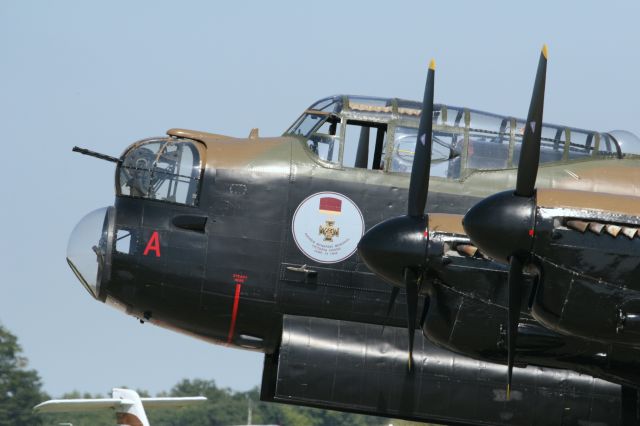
(102, 75)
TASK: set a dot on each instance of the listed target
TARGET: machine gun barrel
(88, 152)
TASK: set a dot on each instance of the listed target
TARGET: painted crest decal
(327, 227)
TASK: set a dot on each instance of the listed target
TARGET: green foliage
(20, 388)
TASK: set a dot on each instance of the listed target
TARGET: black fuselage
(228, 269)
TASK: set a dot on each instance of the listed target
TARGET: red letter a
(153, 244)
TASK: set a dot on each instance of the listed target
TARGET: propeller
(503, 225)
(396, 249)
(419, 183)
(530, 153)
(514, 302)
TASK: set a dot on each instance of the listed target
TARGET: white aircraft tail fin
(129, 414)
(127, 404)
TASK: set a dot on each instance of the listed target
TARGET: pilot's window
(333, 104)
(625, 142)
(487, 152)
(445, 157)
(580, 145)
(323, 139)
(315, 116)
(608, 146)
(165, 170)
(321, 133)
(454, 118)
(364, 143)
(552, 143)
(489, 138)
(445, 153)
(308, 123)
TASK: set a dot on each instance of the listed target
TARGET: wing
(174, 402)
(77, 405)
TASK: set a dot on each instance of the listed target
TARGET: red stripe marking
(234, 313)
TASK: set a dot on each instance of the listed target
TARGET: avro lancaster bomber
(339, 250)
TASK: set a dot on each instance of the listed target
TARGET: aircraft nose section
(89, 249)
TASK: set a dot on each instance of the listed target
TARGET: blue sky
(104, 74)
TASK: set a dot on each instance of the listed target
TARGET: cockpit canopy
(164, 169)
(338, 131)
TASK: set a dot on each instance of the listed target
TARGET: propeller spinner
(503, 225)
(396, 249)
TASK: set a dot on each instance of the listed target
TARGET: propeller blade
(515, 283)
(411, 285)
(530, 153)
(392, 300)
(419, 184)
(425, 310)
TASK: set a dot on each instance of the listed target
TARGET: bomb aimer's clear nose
(89, 249)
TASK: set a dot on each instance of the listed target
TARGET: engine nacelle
(587, 287)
